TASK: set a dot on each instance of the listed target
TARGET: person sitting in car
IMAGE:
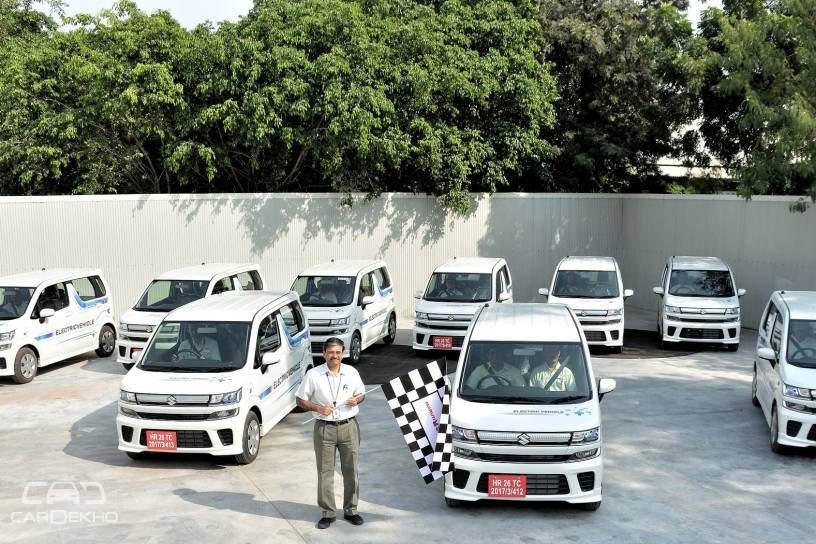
(198, 346)
(450, 289)
(494, 372)
(553, 376)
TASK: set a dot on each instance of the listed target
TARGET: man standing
(333, 391)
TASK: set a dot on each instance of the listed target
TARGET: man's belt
(342, 422)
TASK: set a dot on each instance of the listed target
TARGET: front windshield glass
(197, 346)
(802, 343)
(167, 295)
(458, 287)
(14, 301)
(525, 373)
(324, 290)
(701, 283)
(586, 284)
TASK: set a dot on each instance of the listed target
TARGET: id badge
(336, 413)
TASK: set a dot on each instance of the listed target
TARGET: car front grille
(444, 326)
(702, 334)
(537, 484)
(173, 417)
(595, 336)
(614, 334)
(586, 480)
(509, 458)
(512, 438)
(184, 439)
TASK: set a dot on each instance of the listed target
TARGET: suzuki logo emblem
(450, 318)
(171, 400)
(524, 439)
(702, 311)
(583, 314)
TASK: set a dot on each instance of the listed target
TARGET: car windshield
(458, 287)
(802, 343)
(324, 290)
(586, 284)
(525, 373)
(197, 346)
(14, 301)
(701, 283)
(167, 295)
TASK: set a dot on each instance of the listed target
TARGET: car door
(52, 334)
(293, 323)
(368, 311)
(87, 293)
(268, 340)
(771, 368)
(763, 366)
(385, 294)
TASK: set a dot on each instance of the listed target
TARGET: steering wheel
(179, 352)
(496, 378)
(683, 290)
(807, 353)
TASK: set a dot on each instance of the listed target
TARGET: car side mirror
(45, 313)
(504, 296)
(627, 293)
(766, 353)
(544, 292)
(269, 358)
(605, 385)
(368, 299)
(657, 291)
(418, 295)
(741, 292)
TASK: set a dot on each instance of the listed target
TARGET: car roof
(578, 262)
(525, 322)
(801, 304)
(469, 264)
(341, 268)
(698, 263)
(205, 271)
(47, 275)
(229, 306)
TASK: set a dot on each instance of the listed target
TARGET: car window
(250, 281)
(366, 287)
(223, 285)
(505, 277)
(54, 297)
(382, 278)
(14, 301)
(769, 318)
(292, 319)
(776, 335)
(268, 337)
(84, 288)
(498, 285)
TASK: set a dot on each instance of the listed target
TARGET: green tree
(759, 93)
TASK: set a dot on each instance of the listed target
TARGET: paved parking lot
(687, 460)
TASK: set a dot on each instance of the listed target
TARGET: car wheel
(590, 506)
(754, 399)
(776, 447)
(107, 341)
(25, 366)
(251, 440)
(128, 366)
(392, 330)
(453, 503)
(355, 349)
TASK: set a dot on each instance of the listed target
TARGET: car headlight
(128, 412)
(127, 396)
(617, 311)
(673, 309)
(584, 437)
(223, 414)
(732, 311)
(421, 315)
(797, 392)
(797, 407)
(226, 398)
(465, 435)
(584, 454)
(124, 327)
(6, 336)
(341, 321)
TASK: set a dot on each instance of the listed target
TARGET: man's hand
(324, 409)
(355, 400)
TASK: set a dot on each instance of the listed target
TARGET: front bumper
(423, 338)
(7, 357)
(193, 436)
(797, 428)
(318, 337)
(574, 482)
(725, 332)
(606, 333)
(125, 343)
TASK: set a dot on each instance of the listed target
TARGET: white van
(48, 316)
(352, 300)
(593, 288)
(525, 409)
(216, 376)
(455, 292)
(175, 288)
(698, 302)
(784, 382)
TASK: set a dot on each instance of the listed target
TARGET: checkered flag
(443, 454)
(416, 399)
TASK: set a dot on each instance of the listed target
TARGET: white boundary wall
(134, 237)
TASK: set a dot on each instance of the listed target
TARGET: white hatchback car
(784, 383)
(216, 375)
(525, 409)
(593, 288)
(48, 316)
(176, 288)
(352, 300)
(455, 292)
(698, 302)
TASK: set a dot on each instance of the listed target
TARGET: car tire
(776, 447)
(250, 440)
(392, 330)
(754, 399)
(453, 503)
(25, 366)
(107, 341)
(355, 348)
(590, 506)
(128, 366)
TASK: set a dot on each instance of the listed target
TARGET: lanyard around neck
(331, 388)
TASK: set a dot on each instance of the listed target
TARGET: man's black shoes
(354, 519)
(325, 522)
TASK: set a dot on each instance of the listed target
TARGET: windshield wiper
(521, 400)
(480, 398)
(220, 369)
(571, 398)
(170, 369)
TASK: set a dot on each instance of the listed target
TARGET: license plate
(443, 342)
(134, 352)
(507, 486)
(161, 440)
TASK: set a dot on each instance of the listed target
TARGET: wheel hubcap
(392, 327)
(253, 437)
(774, 428)
(107, 341)
(27, 365)
(355, 348)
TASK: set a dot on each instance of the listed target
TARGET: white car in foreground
(784, 383)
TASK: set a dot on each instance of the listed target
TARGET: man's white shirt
(322, 387)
